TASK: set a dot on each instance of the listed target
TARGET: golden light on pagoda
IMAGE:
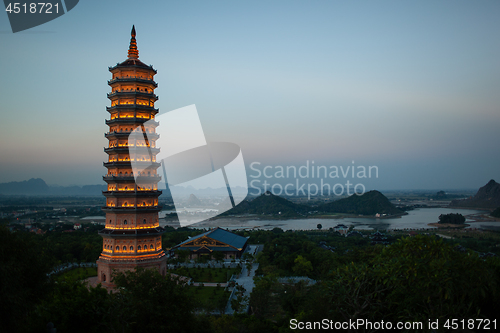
(125, 240)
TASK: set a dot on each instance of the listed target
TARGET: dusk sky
(412, 87)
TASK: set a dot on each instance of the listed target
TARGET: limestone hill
(370, 203)
(488, 196)
(268, 203)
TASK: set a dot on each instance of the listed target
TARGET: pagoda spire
(133, 52)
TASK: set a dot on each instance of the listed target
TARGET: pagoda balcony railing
(133, 79)
(152, 165)
(124, 149)
(135, 92)
(141, 178)
(141, 255)
(132, 106)
(129, 120)
(133, 209)
(132, 231)
(151, 135)
(135, 193)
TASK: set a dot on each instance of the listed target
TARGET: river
(416, 219)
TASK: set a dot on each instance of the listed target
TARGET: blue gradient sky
(411, 87)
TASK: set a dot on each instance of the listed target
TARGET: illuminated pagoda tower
(132, 236)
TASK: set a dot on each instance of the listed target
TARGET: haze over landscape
(411, 88)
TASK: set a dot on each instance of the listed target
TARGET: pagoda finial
(133, 52)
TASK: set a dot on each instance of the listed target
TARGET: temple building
(378, 238)
(215, 240)
(341, 229)
(132, 235)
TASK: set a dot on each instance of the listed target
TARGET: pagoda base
(106, 268)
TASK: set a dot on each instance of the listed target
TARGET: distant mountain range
(488, 196)
(37, 186)
(370, 203)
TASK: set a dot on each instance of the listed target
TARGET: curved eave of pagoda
(125, 258)
(132, 194)
(132, 210)
(132, 107)
(132, 80)
(131, 121)
(126, 164)
(139, 65)
(145, 150)
(122, 135)
(128, 179)
(135, 258)
(132, 232)
(132, 93)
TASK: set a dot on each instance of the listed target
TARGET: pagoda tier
(132, 234)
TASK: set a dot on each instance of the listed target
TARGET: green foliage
(239, 300)
(282, 249)
(77, 274)
(214, 275)
(182, 255)
(74, 307)
(4, 221)
(414, 279)
(261, 301)
(496, 213)
(151, 302)
(429, 279)
(23, 279)
(302, 266)
(247, 256)
(451, 218)
(357, 291)
(209, 299)
(218, 255)
(77, 246)
(143, 300)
